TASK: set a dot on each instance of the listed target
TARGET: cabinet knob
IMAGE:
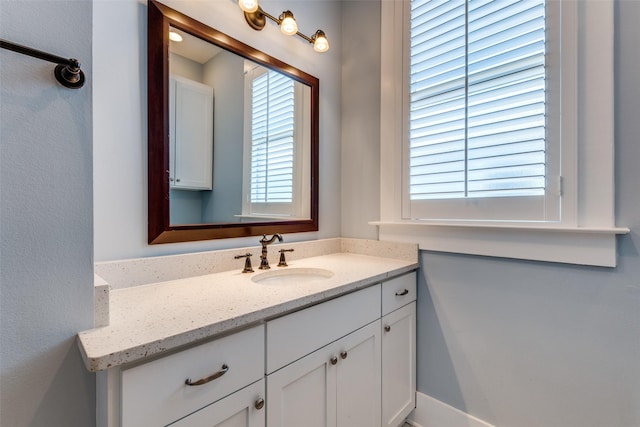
(334, 360)
(259, 403)
(387, 328)
(343, 354)
(177, 179)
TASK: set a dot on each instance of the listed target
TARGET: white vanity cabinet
(229, 370)
(364, 376)
(323, 364)
(345, 362)
(191, 135)
(398, 349)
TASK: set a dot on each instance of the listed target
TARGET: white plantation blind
(272, 138)
(477, 99)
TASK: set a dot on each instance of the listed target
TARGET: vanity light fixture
(288, 24)
(256, 18)
(248, 6)
(320, 42)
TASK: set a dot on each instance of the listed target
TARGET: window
(474, 159)
(477, 125)
(277, 147)
(272, 131)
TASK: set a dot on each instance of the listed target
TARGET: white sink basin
(291, 276)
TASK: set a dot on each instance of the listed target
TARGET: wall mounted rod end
(67, 72)
(70, 75)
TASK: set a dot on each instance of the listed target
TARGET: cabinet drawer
(155, 393)
(398, 291)
(293, 336)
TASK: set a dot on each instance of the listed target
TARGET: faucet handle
(283, 262)
(247, 262)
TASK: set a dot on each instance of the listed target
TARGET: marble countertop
(149, 319)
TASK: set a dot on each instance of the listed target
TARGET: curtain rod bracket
(67, 72)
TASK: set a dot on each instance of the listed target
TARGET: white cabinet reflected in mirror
(233, 136)
(191, 134)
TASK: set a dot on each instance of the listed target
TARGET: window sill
(270, 217)
(573, 245)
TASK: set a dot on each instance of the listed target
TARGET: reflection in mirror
(239, 137)
(233, 136)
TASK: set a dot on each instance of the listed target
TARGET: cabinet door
(304, 392)
(358, 378)
(398, 365)
(244, 408)
(193, 161)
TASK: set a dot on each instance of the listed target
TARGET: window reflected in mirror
(276, 145)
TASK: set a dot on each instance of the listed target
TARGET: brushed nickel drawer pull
(344, 354)
(210, 378)
(334, 360)
(406, 291)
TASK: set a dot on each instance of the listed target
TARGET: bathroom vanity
(327, 341)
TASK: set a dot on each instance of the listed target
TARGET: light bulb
(175, 37)
(320, 42)
(248, 6)
(288, 23)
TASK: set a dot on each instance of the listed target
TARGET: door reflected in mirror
(233, 136)
(239, 138)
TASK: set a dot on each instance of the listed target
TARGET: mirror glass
(239, 137)
(233, 136)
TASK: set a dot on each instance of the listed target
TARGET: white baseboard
(431, 412)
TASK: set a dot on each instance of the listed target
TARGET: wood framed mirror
(226, 159)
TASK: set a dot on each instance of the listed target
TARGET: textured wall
(46, 265)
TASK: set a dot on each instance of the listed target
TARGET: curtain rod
(67, 72)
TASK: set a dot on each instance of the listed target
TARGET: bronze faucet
(264, 262)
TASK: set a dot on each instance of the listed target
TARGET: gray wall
(519, 343)
(360, 118)
(225, 72)
(46, 265)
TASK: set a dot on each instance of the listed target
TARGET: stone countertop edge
(108, 346)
